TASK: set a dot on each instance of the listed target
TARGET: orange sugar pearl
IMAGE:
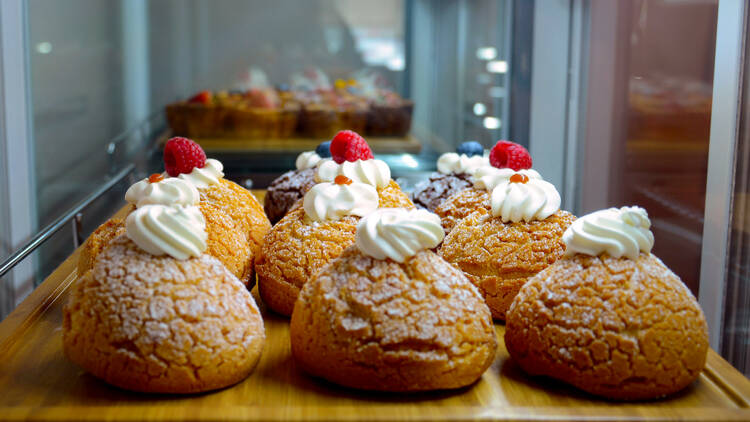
(342, 180)
(519, 178)
(156, 177)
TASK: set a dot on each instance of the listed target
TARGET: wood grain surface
(38, 383)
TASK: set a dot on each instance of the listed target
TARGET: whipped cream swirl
(167, 191)
(536, 199)
(398, 233)
(488, 177)
(618, 232)
(373, 172)
(179, 232)
(330, 201)
(204, 177)
(307, 160)
(452, 162)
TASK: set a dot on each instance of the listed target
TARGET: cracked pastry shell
(235, 224)
(460, 204)
(500, 257)
(157, 324)
(380, 325)
(615, 327)
(295, 249)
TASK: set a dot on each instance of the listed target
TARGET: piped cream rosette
(164, 191)
(617, 231)
(518, 195)
(488, 177)
(307, 160)
(210, 174)
(398, 233)
(452, 162)
(177, 231)
(332, 201)
(373, 172)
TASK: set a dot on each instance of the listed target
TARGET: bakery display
(291, 186)
(454, 174)
(251, 114)
(312, 108)
(609, 318)
(323, 223)
(157, 314)
(390, 315)
(235, 221)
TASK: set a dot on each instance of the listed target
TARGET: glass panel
(659, 158)
(99, 69)
(75, 54)
(735, 344)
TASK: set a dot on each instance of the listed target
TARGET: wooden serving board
(38, 383)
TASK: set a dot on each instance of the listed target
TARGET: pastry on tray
(310, 236)
(352, 157)
(157, 314)
(609, 318)
(236, 223)
(521, 234)
(253, 114)
(325, 112)
(319, 227)
(454, 174)
(391, 315)
(291, 186)
(506, 156)
(388, 113)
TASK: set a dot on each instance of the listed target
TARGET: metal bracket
(76, 223)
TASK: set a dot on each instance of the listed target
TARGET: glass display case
(637, 102)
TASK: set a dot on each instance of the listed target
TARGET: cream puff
(521, 234)
(609, 317)
(157, 314)
(391, 315)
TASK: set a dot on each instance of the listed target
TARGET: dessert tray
(379, 145)
(39, 383)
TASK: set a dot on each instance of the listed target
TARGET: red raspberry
(182, 155)
(349, 146)
(203, 97)
(506, 154)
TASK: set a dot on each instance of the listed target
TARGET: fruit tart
(253, 114)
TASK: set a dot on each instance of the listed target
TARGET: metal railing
(144, 131)
(73, 215)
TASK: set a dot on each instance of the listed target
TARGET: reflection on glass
(668, 125)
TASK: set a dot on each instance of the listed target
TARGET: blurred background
(612, 98)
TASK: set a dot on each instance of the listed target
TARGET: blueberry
(324, 149)
(470, 148)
